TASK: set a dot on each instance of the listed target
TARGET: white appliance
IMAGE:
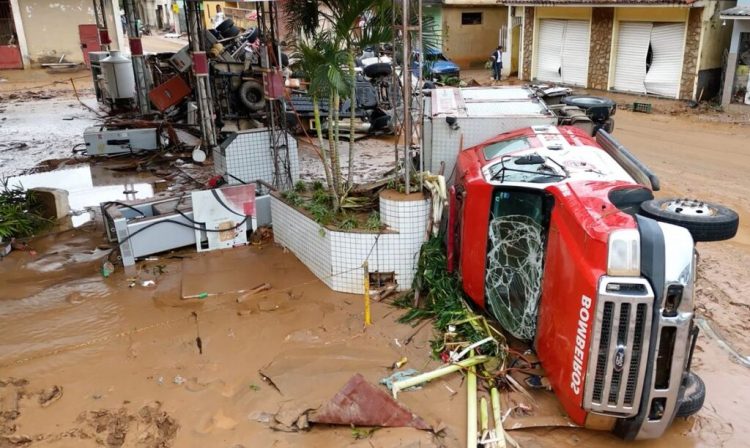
(118, 72)
(102, 141)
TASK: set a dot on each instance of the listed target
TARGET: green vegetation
(320, 204)
(442, 299)
(19, 213)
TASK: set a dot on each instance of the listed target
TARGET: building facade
(670, 48)
(34, 32)
(736, 89)
(471, 29)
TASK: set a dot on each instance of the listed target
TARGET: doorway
(10, 52)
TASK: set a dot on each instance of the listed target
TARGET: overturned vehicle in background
(558, 235)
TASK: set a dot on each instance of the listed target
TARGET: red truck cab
(545, 234)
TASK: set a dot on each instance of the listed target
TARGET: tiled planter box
(336, 256)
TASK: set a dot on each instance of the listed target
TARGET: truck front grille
(620, 338)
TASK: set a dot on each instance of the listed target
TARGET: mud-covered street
(92, 361)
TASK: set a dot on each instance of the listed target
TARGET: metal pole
(136, 53)
(406, 75)
(420, 105)
(200, 70)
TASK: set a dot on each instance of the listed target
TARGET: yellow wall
(471, 45)
(562, 13)
(715, 37)
(673, 14)
(52, 28)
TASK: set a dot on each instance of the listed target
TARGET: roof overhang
(607, 3)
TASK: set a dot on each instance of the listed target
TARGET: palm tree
(339, 29)
(321, 61)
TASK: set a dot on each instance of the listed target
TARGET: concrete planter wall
(336, 256)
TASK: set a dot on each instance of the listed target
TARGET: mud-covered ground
(88, 361)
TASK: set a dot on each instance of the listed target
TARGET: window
(471, 18)
(505, 146)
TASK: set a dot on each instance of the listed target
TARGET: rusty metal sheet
(360, 403)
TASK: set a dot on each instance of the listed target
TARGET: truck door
(517, 234)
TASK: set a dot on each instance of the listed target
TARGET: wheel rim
(689, 207)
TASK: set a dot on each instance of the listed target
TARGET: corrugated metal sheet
(663, 78)
(737, 11)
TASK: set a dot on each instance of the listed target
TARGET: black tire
(586, 102)
(609, 125)
(704, 220)
(377, 70)
(693, 396)
(251, 95)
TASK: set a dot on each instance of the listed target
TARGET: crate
(642, 107)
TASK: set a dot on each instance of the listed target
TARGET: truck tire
(377, 70)
(251, 95)
(693, 397)
(705, 221)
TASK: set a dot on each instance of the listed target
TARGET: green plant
(323, 214)
(317, 186)
(373, 221)
(321, 197)
(300, 187)
(19, 212)
(292, 197)
(452, 81)
(347, 223)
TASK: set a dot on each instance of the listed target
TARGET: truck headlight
(624, 253)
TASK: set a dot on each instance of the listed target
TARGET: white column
(18, 22)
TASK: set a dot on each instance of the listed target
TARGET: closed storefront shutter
(632, 50)
(663, 77)
(563, 51)
(549, 50)
(575, 53)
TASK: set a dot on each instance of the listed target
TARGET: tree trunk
(319, 129)
(352, 110)
(337, 167)
(332, 150)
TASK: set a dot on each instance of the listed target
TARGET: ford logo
(619, 358)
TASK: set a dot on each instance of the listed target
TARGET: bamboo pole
(499, 432)
(471, 412)
(368, 320)
(437, 373)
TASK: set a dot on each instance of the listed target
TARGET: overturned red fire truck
(558, 235)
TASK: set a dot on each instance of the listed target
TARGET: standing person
(497, 62)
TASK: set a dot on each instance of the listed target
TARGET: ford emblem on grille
(619, 358)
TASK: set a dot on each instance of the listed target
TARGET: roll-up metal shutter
(575, 53)
(549, 50)
(665, 73)
(632, 48)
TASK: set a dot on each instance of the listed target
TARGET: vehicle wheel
(377, 70)
(704, 220)
(693, 397)
(609, 125)
(251, 95)
(586, 102)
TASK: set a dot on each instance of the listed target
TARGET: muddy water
(112, 346)
(88, 186)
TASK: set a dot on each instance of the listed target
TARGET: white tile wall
(249, 156)
(302, 236)
(337, 257)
